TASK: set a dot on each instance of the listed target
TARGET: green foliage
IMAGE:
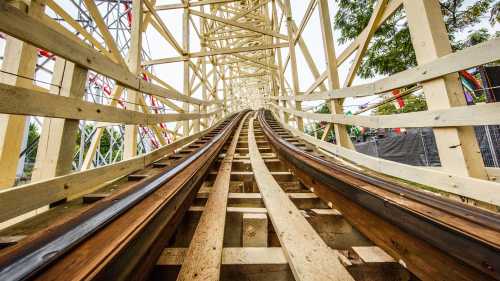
(33, 136)
(474, 38)
(495, 14)
(105, 143)
(391, 50)
(413, 103)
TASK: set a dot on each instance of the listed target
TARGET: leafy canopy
(390, 50)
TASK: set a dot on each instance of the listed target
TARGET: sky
(172, 73)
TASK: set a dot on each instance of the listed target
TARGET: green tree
(413, 102)
(391, 50)
(33, 136)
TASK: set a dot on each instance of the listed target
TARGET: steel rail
(28, 259)
(467, 233)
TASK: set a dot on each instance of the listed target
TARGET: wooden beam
(21, 101)
(216, 52)
(230, 256)
(458, 148)
(307, 254)
(134, 66)
(192, 4)
(342, 138)
(24, 198)
(474, 115)
(483, 53)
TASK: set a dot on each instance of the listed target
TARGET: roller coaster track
(138, 232)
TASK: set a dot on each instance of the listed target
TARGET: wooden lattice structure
(240, 64)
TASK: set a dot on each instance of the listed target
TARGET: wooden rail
(308, 255)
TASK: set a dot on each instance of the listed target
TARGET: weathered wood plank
(203, 258)
(481, 114)
(24, 198)
(22, 101)
(469, 187)
(308, 255)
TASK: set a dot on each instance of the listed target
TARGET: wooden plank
(483, 53)
(248, 210)
(372, 254)
(22, 101)
(342, 138)
(230, 256)
(476, 189)
(308, 255)
(219, 51)
(473, 115)
(24, 198)
(293, 60)
(134, 66)
(203, 258)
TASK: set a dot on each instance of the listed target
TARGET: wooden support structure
(132, 120)
(19, 59)
(458, 149)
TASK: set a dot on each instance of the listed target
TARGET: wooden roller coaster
(219, 181)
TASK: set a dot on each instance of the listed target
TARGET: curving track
(140, 231)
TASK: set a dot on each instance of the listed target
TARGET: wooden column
(186, 85)
(281, 74)
(204, 89)
(20, 59)
(58, 138)
(332, 69)
(134, 64)
(293, 61)
(458, 149)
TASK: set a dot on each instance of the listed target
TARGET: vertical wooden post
(134, 64)
(281, 73)
(196, 122)
(203, 42)
(458, 149)
(20, 59)
(333, 76)
(293, 62)
(58, 138)
(225, 92)
(186, 85)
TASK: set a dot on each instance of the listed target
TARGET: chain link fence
(418, 146)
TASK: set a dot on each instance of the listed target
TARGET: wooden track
(255, 213)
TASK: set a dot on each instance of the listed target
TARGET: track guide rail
(451, 240)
